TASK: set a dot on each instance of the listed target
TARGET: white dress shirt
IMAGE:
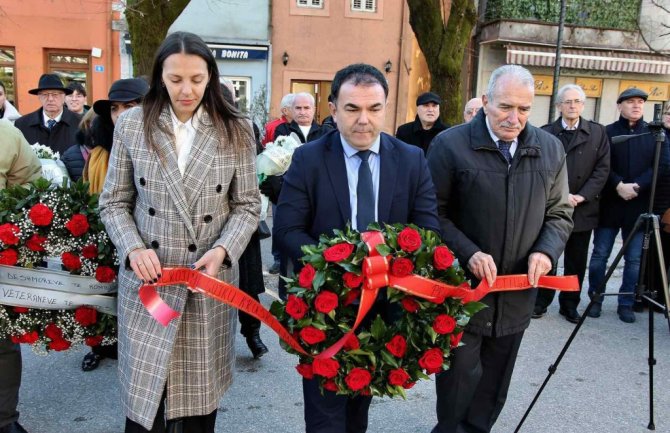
(495, 139)
(45, 118)
(184, 133)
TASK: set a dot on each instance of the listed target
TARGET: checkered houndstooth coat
(146, 203)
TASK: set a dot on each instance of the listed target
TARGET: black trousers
(248, 324)
(191, 424)
(332, 413)
(471, 394)
(10, 381)
(574, 262)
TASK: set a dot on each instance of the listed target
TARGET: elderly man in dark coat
(427, 123)
(588, 157)
(53, 124)
(502, 197)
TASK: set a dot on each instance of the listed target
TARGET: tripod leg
(663, 271)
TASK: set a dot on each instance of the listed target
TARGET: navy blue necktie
(365, 194)
(51, 123)
(505, 147)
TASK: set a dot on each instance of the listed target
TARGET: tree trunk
(148, 23)
(443, 46)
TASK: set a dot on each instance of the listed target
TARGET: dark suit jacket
(59, 139)
(315, 196)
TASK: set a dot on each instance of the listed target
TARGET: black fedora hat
(49, 82)
(124, 90)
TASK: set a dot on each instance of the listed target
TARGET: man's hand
(483, 267)
(271, 187)
(145, 264)
(211, 261)
(627, 191)
(575, 199)
(539, 264)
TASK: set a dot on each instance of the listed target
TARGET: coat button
(219, 188)
(208, 218)
(152, 211)
(142, 181)
(155, 245)
(192, 248)
(488, 324)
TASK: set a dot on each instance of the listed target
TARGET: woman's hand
(145, 264)
(211, 261)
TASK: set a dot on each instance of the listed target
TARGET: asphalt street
(602, 384)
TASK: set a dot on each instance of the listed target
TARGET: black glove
(271, 187)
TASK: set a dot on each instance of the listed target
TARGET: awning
(589, 59)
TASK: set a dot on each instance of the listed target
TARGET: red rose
(397, 346)
(78, 224)
(444, 324)
(351, 297)
(36, 242)
(338, 252)
(409, 385)
(402, 267)
(325, 367)
(455, 339)
(325, 302)
(409, 239)
(8, 234)
(352, 280)
(93, 341)
(71, 261)
(85, 316)
(358, 378)
(89, 252)
(53, 332)
(410, 304)
(105, 274)
(442, 258)
(9, 257)
(15, 339)
(20, 310)
(305, 370)
(40, 215)
(352, 343)
(330, 385)
(306, 276)
(296, 307)
(432, 360)
(398, 377)
(30, 337)
(59, 345)
(311, 335)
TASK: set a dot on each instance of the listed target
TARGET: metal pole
(557, 65)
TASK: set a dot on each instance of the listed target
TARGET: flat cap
(427, 97)
(632, 93)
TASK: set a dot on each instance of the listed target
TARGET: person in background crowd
(588, 158)
(471, 109)
(181, 191)
(502, 197)
(76, 101)
(328, 123)
(427, 123)
(624, 198)
(7, 110)
(319, 195)
(75, 157)
(53, 124)
(286, 117)
(18, 166)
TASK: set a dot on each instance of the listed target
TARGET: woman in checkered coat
(181, 190)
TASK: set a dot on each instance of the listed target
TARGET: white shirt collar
(350, 151)
(191, 124)
(566, 127)
(46, 118)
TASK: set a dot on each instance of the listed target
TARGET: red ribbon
(376, 275)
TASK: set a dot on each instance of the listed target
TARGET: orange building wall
(318, 46)
(31, 26)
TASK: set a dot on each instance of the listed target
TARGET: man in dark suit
(427, 123)
(303, 123)
(354, 174)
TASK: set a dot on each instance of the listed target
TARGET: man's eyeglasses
(54, 95)
(572, 101)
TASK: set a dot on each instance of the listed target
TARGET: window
(364, 5)
(310, 3)
(71, 66)
(242, 95)
(8, 73)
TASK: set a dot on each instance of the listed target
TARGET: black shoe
(274, 269)
(91, 361)
(625, 314)
(538, 312)
(14, 427)
(570, 314)
(595, 310)
(256, 345)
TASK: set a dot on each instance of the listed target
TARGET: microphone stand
(650, 221)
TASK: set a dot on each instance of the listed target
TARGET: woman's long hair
(225, 116)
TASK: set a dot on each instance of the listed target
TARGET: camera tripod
(650, 222)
